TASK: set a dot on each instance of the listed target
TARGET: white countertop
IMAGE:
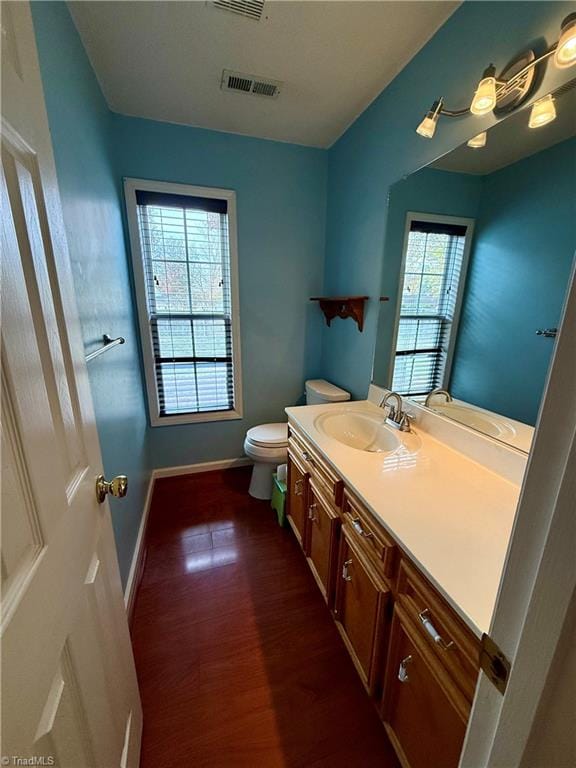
(450, 514)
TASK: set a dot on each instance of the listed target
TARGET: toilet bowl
(267, 444)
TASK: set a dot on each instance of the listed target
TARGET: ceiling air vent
(252, 84)
(251, 9)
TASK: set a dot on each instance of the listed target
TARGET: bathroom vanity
(408, 570)
(406, 530)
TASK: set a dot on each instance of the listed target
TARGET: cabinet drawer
(441, 629)
(361, 606)
(369, 534)
(322, 543)
(327, 480)
(424, 713)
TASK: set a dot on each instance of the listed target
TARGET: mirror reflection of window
(435, 260)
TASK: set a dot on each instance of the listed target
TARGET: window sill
(194, 418)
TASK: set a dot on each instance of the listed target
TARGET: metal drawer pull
(307, 457)
(311, 515)
(345, 575)
(431, 629)
(358, 528)
(299, 487)
(403, 671)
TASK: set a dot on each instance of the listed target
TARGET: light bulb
(484, 99)
(427, 127)
(565, 54)
(543, 112)
(477, 142)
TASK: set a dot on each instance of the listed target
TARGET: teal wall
(281, 198)
(517, 280)
(428, 191)
(81, 128)
(281, 201)
(382, 147)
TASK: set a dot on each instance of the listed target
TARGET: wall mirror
(477, 260)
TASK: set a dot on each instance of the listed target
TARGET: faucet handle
(405, 422)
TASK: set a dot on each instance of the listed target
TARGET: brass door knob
(118, 487)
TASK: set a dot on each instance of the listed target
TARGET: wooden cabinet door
(361, 600)
(297, 500)
(422, 707)
(323, 527)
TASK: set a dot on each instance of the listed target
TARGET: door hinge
(493, 663)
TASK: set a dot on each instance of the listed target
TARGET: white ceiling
(164, 60)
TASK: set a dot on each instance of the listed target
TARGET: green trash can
(278, 501)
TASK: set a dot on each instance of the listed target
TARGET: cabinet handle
(299, 487)
(345, 575)
(424, 617)
(307, 457)
(358, 528)
(311, 515)
(403, 671)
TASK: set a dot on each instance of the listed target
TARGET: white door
(69, 689)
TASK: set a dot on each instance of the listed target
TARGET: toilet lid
(268, 434)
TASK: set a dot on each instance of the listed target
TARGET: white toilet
(267, 444)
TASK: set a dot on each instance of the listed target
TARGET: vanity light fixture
(484, 99)
(477, 142)
(543, 112)
(565, 54)
(428, 125)
(504, 92)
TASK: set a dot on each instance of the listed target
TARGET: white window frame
(440, 219)
(130, 188)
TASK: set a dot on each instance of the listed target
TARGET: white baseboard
(135, 565)
(206, 466)
(186, 469)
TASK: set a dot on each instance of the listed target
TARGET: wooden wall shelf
(342, 306)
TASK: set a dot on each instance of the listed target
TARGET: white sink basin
(358, 430)
(492, 426)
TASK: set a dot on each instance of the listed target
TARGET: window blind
(432, 274)
(185, 250)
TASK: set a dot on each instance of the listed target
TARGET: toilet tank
(321, 391)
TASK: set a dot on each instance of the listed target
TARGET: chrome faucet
(435, 392)
(396, 418)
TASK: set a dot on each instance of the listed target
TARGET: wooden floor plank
(238, 660)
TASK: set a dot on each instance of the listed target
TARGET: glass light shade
(484, 99)
(427, 127)
(477, 142)
(565, 54)
(543, 112)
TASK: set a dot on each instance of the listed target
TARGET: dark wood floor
(238, 660)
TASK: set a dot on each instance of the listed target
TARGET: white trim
(138, 554)
(440, 219)
(156, 474)
(130, 188)
(205, 466)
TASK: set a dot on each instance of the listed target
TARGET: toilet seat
(268, 436)
(269, 455)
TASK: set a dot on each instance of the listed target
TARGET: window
(435, 258)
(184, 255)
